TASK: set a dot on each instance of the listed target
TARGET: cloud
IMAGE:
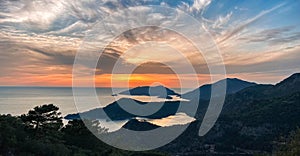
(35, 14)
(221, 21)
(279, 60)
(40, 38)
(55, 58)
(200, 4)
(18, 61)
(268, 35)
(195, 8)
(107, 62)
(241, 8)
(153, 68)
(76, 30)
(237, 29)
(25, 55)
(292, 38)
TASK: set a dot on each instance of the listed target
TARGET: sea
(19, 100)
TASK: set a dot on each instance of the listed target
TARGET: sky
(39, 40)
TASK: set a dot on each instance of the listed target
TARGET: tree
(12, 134)
(291, 147)
(43, 119)
(40, 132)
(82, 140)
(76, 134)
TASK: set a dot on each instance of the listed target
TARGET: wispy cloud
(33, 14)
(200, 4)
(39, 39)
(237, 29)
(221, 21)
(267, 35)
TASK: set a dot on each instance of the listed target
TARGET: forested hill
(252, 121)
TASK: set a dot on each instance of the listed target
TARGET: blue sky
(258, 40)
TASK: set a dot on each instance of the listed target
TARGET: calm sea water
(19, 100)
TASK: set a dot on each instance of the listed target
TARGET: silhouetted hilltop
(291, 80)
(159, 91)
(233, 85)
(288, 86)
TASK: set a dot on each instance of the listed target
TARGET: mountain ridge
(251, 122)
(233, 85)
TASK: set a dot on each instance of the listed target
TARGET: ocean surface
(19, 100)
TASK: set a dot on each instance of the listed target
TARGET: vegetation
(250, 123)
(41, 132)
(290, 146)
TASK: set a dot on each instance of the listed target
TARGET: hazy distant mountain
(159, 91)
(233, 85)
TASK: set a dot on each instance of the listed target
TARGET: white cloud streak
(237, 29)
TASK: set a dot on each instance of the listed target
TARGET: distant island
(115, 112)
(159, 91)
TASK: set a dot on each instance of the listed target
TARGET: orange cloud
(38, 80)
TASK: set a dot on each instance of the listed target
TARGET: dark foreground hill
(252, 122)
